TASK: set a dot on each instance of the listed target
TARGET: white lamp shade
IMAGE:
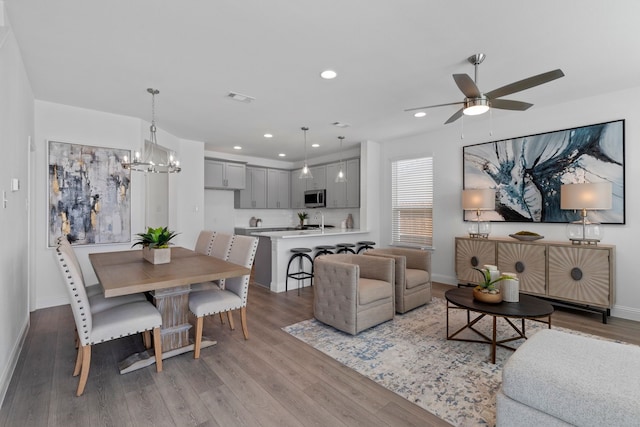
(590, 196)
(483, 199)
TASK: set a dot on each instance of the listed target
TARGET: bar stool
(324, 250)
(301, 274)
(344, 248)
(364, 245)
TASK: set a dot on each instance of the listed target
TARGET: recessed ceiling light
(237, 147)
(341, 124)
(282, 155)
(315, 145)
(268, 135)
(328, 74)
(420, 114)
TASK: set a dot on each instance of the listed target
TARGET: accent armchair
(353, 292)
(413, 276)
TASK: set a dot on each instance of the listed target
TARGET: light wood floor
(270, 380)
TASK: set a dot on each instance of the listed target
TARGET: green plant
(157, 238)
(302, 216)
(487, 283)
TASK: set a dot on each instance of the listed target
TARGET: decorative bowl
(526, 237)
(478, 295)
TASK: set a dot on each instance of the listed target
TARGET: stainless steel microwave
(315, 198)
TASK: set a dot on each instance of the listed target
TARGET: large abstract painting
(527, 172)
(89, 197)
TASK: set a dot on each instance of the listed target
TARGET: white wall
(446, 148)
(81, 126)
(16, 128)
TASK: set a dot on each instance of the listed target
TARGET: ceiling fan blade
(467, 85)
(508, 104)
(455, 116)
(433, 106)
(525, 84)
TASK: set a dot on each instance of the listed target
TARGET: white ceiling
(389, 55)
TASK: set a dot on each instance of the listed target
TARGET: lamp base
(584, 241)
(479, 235)
(584, 232)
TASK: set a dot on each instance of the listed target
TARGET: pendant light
(305, 173)
(153, 159)
(341, 177)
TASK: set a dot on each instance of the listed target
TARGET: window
(412, 202)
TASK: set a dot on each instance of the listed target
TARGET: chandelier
(153, 159)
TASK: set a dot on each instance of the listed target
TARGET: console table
(577, 276)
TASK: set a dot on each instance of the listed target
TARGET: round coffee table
(527, 308)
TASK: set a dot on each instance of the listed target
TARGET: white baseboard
(5, 379)
(623, 312)
(52, 302)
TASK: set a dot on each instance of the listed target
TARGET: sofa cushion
(372, 290)
(581, 380)
(415, 277)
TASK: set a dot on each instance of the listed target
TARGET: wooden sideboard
(581, 276)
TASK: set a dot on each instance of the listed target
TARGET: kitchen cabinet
(353, 183)
(319, 180)
(336, 191)
(219, 174)
(278, 189)
(298, 187)
(575, 275)
(254, 195)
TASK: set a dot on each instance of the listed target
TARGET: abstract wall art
(89, 194)
(527, 172)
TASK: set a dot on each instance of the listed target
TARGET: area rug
(411, 356)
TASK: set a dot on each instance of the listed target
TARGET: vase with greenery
(486, 290)
(302, 216)
(155, 244)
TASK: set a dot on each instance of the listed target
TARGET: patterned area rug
(412, 357)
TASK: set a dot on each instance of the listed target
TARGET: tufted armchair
(353, 292)
(413, 276)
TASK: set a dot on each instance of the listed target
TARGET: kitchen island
(274, 267)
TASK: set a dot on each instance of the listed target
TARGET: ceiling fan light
(475, 106)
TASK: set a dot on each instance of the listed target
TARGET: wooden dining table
(127, 272)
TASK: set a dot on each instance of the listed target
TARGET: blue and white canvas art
(89, 194)
(527, 172)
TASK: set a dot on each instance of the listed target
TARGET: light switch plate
(15, 184)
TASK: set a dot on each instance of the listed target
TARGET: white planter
(156, 256)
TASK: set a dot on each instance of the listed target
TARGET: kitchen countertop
(292, 234)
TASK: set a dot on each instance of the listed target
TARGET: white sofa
(559, 379)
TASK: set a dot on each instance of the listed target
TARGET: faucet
(315, 218)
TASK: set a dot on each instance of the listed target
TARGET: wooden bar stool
(364, 245)
(300, 254)
(324, 250)
(344, 248)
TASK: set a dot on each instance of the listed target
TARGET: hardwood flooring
(270, 380)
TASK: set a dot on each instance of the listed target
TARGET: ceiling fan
(476, 102)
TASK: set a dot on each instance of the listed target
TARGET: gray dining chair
(232, 297)
(95, 293)
(106, 325)
(204, 244)
(220, 246)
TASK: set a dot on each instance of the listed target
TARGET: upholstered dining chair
(95, 293)
(204, 244)
(107, 325)
(218, 247)
(232, 297)
(413, 276)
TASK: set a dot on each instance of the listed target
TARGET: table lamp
(479, 199)
(584, 197)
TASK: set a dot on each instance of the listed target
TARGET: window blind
(412, 202)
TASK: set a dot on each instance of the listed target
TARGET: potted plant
(302, 216)
(486, 290)
(155, 244)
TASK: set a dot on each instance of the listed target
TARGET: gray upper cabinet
(319, 180)
(224, 175)
(298, 187)
(353, 183)
(336, 191)
(278, 189)
(255, 193)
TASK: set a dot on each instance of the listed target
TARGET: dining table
(169, 285)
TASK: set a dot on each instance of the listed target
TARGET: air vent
(341, 125)
(240, 97)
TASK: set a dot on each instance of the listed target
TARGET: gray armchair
(353, 292)
(413, 276)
